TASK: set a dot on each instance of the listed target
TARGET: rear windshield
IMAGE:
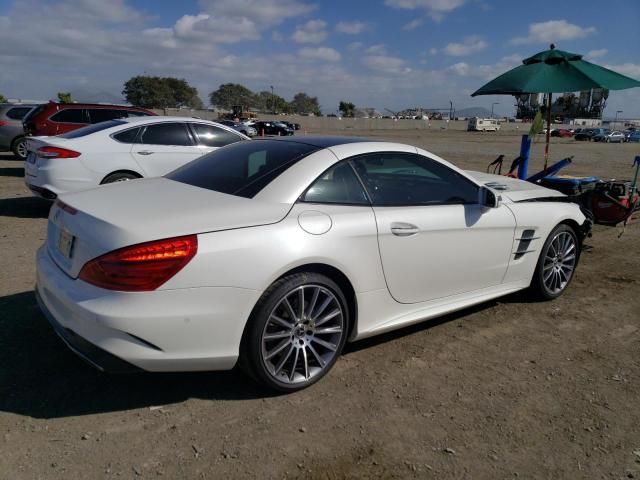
(89, 129)
(242, 169)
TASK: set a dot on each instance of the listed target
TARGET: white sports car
(118, 150)
(274, 253)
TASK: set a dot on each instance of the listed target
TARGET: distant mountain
(473, 112)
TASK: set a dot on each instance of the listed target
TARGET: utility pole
(492, 105)
(273, 101)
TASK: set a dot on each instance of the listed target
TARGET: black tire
(19, 149)
(119, 177)
(539, 287)
(251, 352)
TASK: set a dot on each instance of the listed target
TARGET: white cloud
(378, 49)
(472, 44)
(311, 32)
(553, 31)
(386, 64)
(320, 53)
(413, 24)
(262, 12)
(486, 72)
(351, 28)
(601, 52)
(436, 9)
(433, 51)
(628, 69)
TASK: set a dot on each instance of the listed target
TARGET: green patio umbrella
(555, 71)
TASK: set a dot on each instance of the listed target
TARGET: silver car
(609, 137)
(11, 131)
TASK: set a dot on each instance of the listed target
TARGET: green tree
(346, 108)
(267, 102)
(3, 99)
(161, 92)
(65, 97)
(229, 94)
(303, 103)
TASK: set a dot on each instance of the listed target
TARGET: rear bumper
(94, 356)
(187, 329)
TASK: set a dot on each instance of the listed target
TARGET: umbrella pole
(546, 146)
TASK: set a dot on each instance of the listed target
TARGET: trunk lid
(514, 189)
(126, 213)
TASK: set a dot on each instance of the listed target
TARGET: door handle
(401, 229)
(145, 152)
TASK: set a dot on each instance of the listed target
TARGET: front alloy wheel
(297, 332)
(557, 263)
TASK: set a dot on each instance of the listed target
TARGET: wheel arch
(334, 274)
(130, 172)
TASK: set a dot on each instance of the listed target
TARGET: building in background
(588, 104)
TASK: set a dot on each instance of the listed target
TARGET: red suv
(56, 118)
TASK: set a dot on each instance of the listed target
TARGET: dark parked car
(272, 128)
(53, 118)
(586, 134)
(293, 126)
(633, 136)
(11, 131)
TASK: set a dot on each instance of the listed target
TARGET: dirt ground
(508, 389)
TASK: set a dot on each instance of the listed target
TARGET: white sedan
(274, 253)
(118, 150)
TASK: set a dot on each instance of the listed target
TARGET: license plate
(65, 243)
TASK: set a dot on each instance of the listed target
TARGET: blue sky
(378, 53)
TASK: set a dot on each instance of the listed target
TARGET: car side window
(166, 134)
(17, 113)
(395, 179)
(70, 115)
(97, 115)
(211, 136)
(127, 136)
(338, 185)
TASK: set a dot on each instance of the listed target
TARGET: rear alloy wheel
(119, 177)
(296, 333)
(19, 148)
(557, 263)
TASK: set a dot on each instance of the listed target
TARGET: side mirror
(488, 198)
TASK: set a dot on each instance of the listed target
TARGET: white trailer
(483, 125)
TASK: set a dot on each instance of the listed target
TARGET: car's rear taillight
(3, 123)
(56, 152)
(141, 267)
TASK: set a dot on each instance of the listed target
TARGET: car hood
(512, 188)
(126, 213)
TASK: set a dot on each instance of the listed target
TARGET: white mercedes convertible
(273, 253)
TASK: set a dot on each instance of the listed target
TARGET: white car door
(435, 238)
(164, 147)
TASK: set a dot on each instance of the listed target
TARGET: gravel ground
(503, 390)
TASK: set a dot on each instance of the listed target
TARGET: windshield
(89, 129)
(242, 169)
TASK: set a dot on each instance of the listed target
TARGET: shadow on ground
(41, 378)
(25, 207)
(12, 172)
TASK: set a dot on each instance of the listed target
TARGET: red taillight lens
(3, 123)
(67, 208)
(57, 152)
(141, 267)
